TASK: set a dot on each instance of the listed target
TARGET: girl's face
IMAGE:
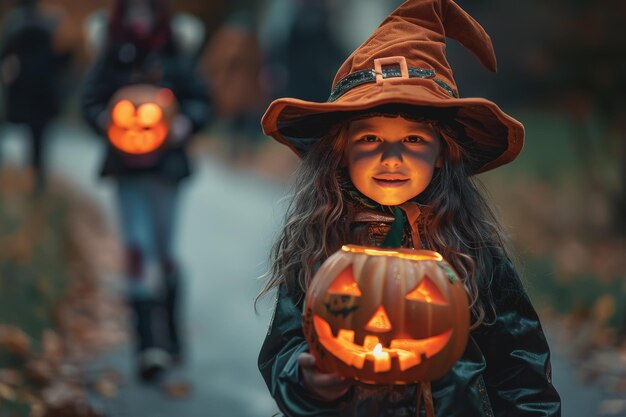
(391, 159)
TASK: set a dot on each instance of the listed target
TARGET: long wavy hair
(460, 224)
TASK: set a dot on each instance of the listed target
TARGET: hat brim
(492, 137)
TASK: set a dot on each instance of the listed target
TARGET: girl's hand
(327, 387)
(180, 129)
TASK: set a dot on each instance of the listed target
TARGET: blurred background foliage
(56, 251)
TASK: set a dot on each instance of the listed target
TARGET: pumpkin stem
(394, 235)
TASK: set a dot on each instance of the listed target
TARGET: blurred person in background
(141, 49)
(301, 45)
(233, 58)
(311, 36)
(31, 64)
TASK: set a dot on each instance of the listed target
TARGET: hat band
(369, 76)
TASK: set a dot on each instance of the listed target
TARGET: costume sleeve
(518, 375)
(279, 367)
(95, 95)
(192, 95)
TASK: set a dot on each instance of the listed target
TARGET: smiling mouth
(406, 352)
(390, 182)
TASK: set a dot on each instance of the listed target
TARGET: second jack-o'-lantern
(140, 118)
(386, 316)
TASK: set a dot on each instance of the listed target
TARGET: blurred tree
(572, 62)
(589, 62)
(563, 59)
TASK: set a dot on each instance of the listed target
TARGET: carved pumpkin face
(140, 118)
(386, 316)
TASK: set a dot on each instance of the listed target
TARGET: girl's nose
(391, 156)
(392, 162)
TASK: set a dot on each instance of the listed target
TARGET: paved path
(227, 221)
(218, 208)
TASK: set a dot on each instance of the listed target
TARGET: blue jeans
(147, 207)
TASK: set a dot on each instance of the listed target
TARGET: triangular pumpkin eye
(345, 284)
(427, 292)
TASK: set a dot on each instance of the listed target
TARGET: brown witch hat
(403, 64)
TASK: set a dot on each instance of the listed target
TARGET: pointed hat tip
(459, 25)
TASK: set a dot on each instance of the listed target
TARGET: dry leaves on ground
(58, 258)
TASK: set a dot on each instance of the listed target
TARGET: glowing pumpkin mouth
(137, 140)
(407, 352)
(137, 130)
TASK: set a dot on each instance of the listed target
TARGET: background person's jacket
(122, 64)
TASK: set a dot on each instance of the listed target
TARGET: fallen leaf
(15, 341)
(37, 410)
(52, 346)
(39, 371)
(6, 392)
(11, 377)
(177, 389)
(73, 410)
(106, 387)
(61, 394)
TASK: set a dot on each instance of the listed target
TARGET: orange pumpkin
(386, 316)
(140, 118)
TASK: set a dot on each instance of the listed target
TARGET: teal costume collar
(401, 214)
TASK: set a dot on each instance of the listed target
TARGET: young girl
(395, 134)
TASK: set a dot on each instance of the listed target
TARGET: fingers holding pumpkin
(328, 387)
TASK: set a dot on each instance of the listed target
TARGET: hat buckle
(389, 60)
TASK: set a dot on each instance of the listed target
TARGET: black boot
(172, 310)
(152, 359)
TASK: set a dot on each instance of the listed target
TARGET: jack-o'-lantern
(140, 118)
(386, 316)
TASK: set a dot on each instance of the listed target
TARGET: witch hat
(403, 64)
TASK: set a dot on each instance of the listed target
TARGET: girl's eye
(414, 139)
(369, 139)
